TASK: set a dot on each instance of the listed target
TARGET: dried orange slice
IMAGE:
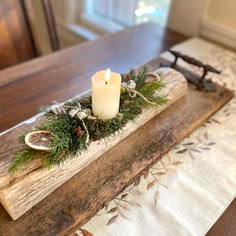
(39, 140)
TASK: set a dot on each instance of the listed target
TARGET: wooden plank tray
(19, 192)
(83, 195)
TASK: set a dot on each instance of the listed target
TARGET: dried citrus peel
(39, 140)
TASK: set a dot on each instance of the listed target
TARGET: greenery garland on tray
(67, 133)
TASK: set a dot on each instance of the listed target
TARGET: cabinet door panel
(16, 44)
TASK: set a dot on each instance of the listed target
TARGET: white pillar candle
(106, 87)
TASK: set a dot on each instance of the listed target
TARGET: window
(81, 20)
(153, 10)
(118, 14)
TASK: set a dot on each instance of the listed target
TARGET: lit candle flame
(107, 75)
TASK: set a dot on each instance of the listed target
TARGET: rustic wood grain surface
(19, 192)
(226, 224)
(83, 195)
(26, 87)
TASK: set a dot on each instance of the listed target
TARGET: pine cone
(127, 102)
(95, 138)
(79, 131)
(126, 78)
(124, 123)
(140, 110)
(85, 100)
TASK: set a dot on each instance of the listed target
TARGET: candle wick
(106, 82)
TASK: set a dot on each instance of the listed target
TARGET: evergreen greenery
(67, 142)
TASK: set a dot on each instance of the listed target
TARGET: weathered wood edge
(226, 96)
(21, 195)
(60, 217)
(7, 136)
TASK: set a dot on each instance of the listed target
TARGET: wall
(211, 19)
(223, 12)
(185, 16)
(219, 22)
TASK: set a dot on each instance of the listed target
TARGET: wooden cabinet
(16, 44)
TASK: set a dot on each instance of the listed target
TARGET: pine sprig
(21, 137)
(65, 142)
(23, 157)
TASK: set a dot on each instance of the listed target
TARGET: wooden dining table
(62, 75)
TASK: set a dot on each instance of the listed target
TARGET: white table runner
(191, 187)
